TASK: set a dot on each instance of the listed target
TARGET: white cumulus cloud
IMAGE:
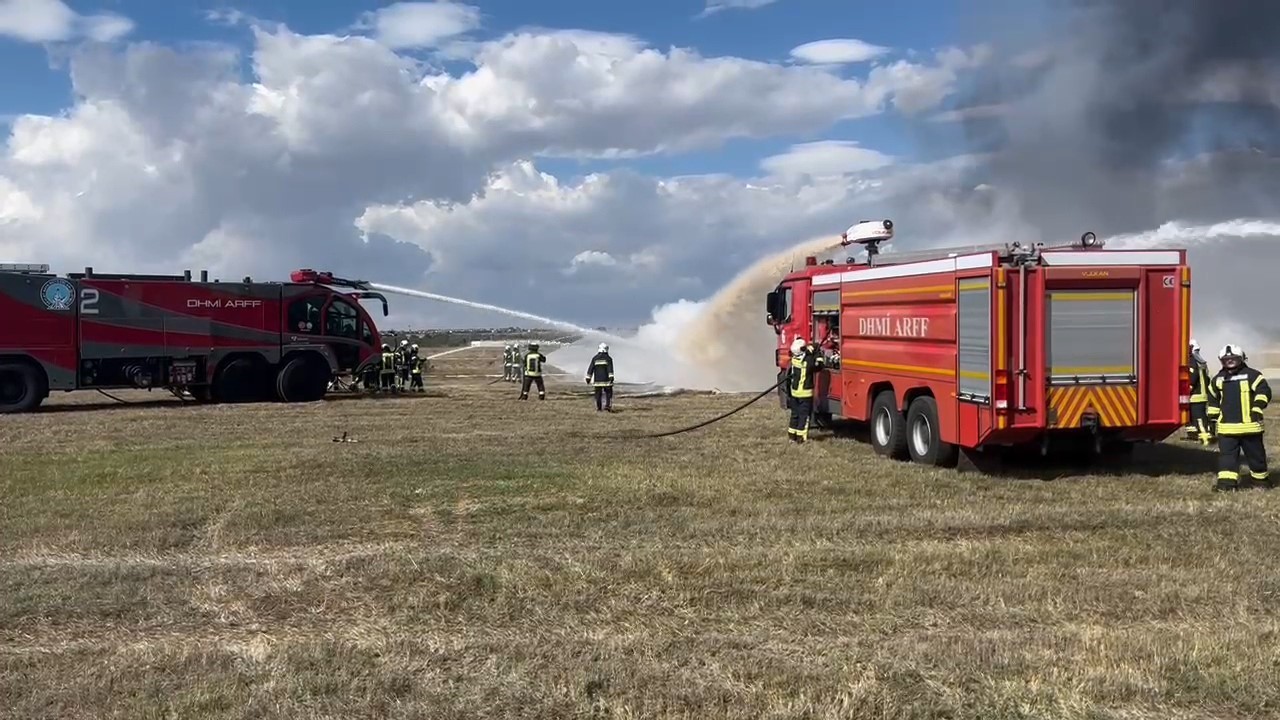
(40, 21)
(412, 25)
(170, 158)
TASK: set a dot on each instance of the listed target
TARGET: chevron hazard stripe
(1115, 405)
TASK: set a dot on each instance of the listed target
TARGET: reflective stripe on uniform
(533, 365)
(801, 380)
(602, 363)
(1238, 410)
(802, 433)
(801, 386)
(1200, 385)
(1260, 399)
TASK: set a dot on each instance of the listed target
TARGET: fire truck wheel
(924, 437)
(237, 382)
(22, 387)
(888, 427)
(303, 379)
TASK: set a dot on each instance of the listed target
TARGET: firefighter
(805, 363)
(600, 376)
(402, 363)
(1237, 397)
(415, 369)
(370, 380)
(388, 369)
(1200, 428)
(532, 372)
(511, 362)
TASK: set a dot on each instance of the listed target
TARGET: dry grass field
(475, 557)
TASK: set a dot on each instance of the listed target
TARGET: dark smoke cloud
(1105, 98)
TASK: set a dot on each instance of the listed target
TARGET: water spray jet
(578, 329)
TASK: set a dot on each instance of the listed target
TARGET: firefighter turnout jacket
(803, 369)
(388, 361)
(533, 363)
(1236, 400)
(1199, 383)
(600, 372)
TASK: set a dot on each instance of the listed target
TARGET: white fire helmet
(797, 345)
(1231, 350)
(404, 343)
(1195, 346)
(604, 347)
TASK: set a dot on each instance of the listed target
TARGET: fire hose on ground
(704, 423)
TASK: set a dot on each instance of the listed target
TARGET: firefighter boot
(1224, 485)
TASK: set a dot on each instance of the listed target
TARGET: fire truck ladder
(1014, 253)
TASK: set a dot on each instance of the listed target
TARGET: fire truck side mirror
(771, 306)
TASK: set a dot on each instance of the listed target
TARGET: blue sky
(34, 81)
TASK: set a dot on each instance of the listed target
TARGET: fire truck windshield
(342, 320)
(347, 319)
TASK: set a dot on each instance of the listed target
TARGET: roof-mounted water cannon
(869, 234)
(307, 275)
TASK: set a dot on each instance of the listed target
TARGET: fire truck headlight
(1088, 239)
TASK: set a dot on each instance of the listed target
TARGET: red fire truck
(986, 346)
(219, 341)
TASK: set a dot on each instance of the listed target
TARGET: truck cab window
(342, 320)
(786, 304)
(366, 334)
(304, 315)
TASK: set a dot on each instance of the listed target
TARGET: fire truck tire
(303, 378)
(237, 381)
(22, 387)
(888, 427)
(924, 439)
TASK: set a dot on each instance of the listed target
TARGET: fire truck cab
(993, 346)
(219, 341)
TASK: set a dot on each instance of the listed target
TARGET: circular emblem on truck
(57, 294)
